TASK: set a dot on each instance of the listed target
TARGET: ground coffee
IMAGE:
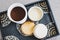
(17, 13)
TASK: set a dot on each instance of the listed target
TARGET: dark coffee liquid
(17, 13)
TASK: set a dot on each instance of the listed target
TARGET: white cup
(35, 13)
(17, 5)
(40, 31)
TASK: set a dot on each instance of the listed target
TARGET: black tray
(9, 28)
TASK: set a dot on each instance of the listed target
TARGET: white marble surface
(4, 4)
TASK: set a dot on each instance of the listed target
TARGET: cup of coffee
(17, 13)
(40, 31)
(35, 13)
(26, 29)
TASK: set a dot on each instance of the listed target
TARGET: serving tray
(9, 28)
